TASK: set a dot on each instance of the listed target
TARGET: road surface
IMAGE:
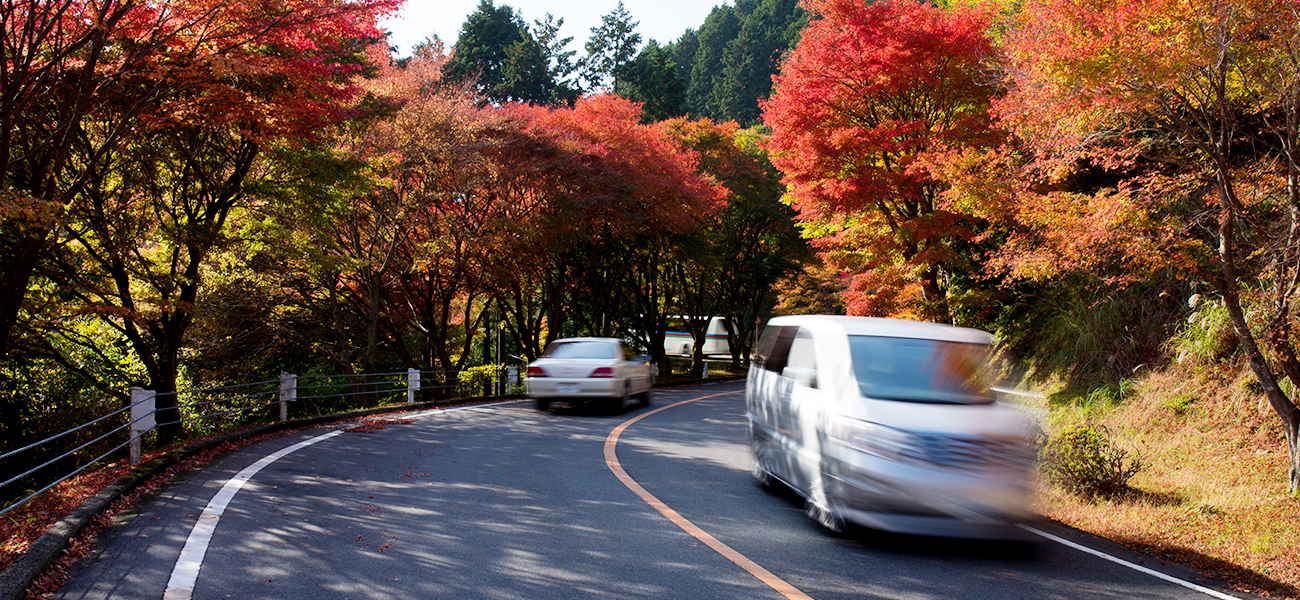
(503, 502)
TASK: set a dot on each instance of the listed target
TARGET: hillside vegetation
(1210, 494)
(1210, 488)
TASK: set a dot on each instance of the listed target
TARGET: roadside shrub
(481, 379)
(1085, 461)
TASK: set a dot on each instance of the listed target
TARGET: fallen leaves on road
(373, 425)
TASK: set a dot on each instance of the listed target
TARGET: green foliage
(712, 38)
(612, 46)
(497, 51)
(480, 375)
(652, 80)
(729, 61)
(1111, 395)
(1084, 460)
(1091, 403)
(1205, 336)
(1179, 404)
(561, 63)
(1084, 332)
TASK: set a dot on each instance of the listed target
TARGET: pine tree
(718, 30)
(496, 49)
(611, 46)
(652, 80)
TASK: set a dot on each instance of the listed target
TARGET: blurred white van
(681, 343)
(890, 424)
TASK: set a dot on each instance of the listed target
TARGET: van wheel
(826, 516)
(543, 404)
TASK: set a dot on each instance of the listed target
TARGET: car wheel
(622, 403)
(543, 404)
(645, 396)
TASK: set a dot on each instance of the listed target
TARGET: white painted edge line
(1017, 392)
(1139, 568)
(186, 571)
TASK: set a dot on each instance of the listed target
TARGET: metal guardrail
(223, 406)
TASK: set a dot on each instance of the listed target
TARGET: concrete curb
(15, 580)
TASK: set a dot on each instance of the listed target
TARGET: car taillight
(603, 372)
(536, 372)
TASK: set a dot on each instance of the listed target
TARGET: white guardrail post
(412, 384)
(142, 419)
(288, 393)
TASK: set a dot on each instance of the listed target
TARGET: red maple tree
(870, 90)
(1180, 101)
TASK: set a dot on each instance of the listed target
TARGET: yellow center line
(611, 460)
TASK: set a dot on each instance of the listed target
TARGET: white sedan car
(579, 370)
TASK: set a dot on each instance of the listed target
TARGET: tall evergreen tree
(684, 54)
(611, 46)
(496, 49)
(729, 62)
(562, 65)
(721, 26)
(652, 80)
(768, 29)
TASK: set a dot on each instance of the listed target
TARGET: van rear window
(917, 370)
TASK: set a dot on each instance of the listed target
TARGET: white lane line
(1139, 568)
(186, 571)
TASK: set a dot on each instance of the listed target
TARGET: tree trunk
(163, 382)
(1282, 405)
(733, 343)
(935, 299)
(1227, 286)
(15, 274)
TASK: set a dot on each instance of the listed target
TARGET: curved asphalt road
(503, 502)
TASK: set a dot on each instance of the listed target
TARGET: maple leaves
(867, 93)
(489, 208)
(1180, 100)
(141, 123)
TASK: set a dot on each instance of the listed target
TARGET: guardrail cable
(384, 385)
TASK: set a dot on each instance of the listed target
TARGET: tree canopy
(866, 96)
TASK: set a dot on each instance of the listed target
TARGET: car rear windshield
(580, 350)
(917, 370)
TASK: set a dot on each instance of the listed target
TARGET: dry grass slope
(1214, 494)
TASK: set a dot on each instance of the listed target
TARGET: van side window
(801, 352)
(774, 346)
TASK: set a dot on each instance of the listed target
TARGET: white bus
(681, 343)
